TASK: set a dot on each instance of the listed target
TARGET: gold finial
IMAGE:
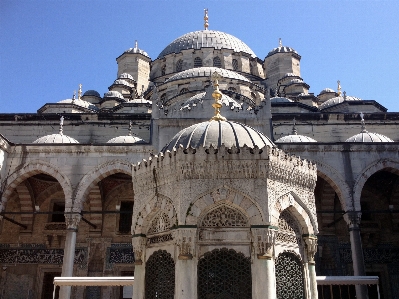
(217, 95)
(363, 124)
(280, 42)
(339, 88)
(61, 124)
(80, 91)
(206, 24)
(136, 45)
(74, 96)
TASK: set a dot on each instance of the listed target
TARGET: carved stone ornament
(138, 244)
(72, 221)
(184, 240)
(353, 218)
(263, 241)
(311, 248)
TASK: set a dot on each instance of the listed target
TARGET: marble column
(263, 272)
(186, 264)
(138, 243)
(311, 249)
(353, 221)
(72, 222)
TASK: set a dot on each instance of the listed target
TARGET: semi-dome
(365, 136)
(80, 103)
(207, 71)
(125, 139)
(206, 38)
(280, 100)
(56, 138)
(337, 100)
(215, 133)
(92, 93)
(198, 98)
(113, 94)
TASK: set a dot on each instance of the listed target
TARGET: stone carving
(353, 219)
(159, 239)
(72, 221)
(263, 240)
(159, 224)
(311, 248)
(184, 240)
(224, 216)
(138, 243)
(288, 230)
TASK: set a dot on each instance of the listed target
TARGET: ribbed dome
(206, 38)
(294, 138)
(198, 98)
(137, 50)
(125, 139)
(326, 90)
(337, 100)
(122, 82)
(207, 71)
(216, 133)
(281, 49)
(369, 137)
(56, 138)
(80, 103)
(140, 101)
(113, 94)
(92, 93)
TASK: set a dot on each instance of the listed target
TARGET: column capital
(72, 221)
(139, 244)
(263, 240)
(353, 219)
(184, 239)
(311, 247)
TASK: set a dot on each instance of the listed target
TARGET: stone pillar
(72, 221)
(138, 243)
(353, 220)
(263, 272)
(311, 249)
(186, 264)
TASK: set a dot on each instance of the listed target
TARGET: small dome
(122, 82)
(125, 139)
(56, 138)
(207, 72)
(337, 100)
(198, 98)
(326, 90)
(369, 137)
(126, 76)
(80, 103)
(140, 101)
(281, 49)
(206, 38)
(294, 138)
(92, 93)
(280, 100)
(113, 94)
(137, 50)
(289, 75)
(216, 133)
(293, 81)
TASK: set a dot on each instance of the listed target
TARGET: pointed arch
(93, 177)
(33, 168)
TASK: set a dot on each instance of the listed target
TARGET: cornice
(340, 147)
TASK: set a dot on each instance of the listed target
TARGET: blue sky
(47, 48)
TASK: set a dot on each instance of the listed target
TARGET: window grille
(224, 273)
(160, 276)
(184, 90)
(163, 70)
(232, 89)
(217, 62)
(235, 64)
(163, 97)
(179, 65)
(289, 276)
(125, 218)
(197, 62)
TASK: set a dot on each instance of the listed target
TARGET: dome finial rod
(206, 24)
(217, 95)
(363, 123)
(339, 88)
(294, 131)
(74, 96)
(280, 42)
(136, 45)
(80, 91)
(61, 125)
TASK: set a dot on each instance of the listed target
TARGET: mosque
(206, 172)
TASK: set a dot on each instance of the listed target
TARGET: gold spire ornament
(206, 24)
(339, 88)
(80, 91)
(280, 43)
(217, 95)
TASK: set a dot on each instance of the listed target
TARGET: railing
(93, 281)
(343, 287)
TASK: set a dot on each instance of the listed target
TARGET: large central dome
(206, 38)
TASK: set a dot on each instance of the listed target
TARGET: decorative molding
(139, 245)
(184, 240)
(311, 248)
(263, 241)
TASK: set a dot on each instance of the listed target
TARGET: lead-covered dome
(365, 136)
(294, 138)
(215, 133)
(206, 38)
(126, 139)
(337, 100)
(79, 102)
(56, 138)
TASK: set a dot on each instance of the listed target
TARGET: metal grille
(217, 62)
(197, 62)
(179, 65)
(289, 277)
(235, 64)
(224, 274)
(160, 276)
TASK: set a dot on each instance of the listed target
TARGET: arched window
(253, 95)
(217, 62)
(163, 70)
(160, 276)
(224, 273)
(184, 90)
(163, 97)
(289, 276)
(197, 62)
(232, 89)
(179, 65)
(235, 64)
